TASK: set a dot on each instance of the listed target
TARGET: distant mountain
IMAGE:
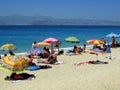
(44, 20)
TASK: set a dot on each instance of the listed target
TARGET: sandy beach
(68, 76)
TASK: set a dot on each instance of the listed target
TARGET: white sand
(69, 77)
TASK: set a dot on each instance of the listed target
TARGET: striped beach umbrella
(13, 63)
(95, 42)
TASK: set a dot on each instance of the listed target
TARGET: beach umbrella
(42, 44)
(8, 47)
(72, 40)
(50, 40)
(95, 42)
(113, 35)
(36, 51)
(13, 63)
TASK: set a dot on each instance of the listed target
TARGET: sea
(23, 36)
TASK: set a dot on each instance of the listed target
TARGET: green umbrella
(72, 39)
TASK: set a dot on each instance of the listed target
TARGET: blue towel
(32, 68)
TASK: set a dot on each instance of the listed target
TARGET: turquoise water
(23, 36)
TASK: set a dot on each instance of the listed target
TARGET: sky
(75, 9)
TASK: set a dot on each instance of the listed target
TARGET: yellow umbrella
(8, 47)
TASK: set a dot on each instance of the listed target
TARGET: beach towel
(33, 68)
(19, 77)
(29, 79)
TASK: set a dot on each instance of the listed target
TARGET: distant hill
(44, 20)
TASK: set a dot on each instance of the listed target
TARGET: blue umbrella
(113, 35)
(36, 51)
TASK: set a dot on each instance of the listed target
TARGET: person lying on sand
(52, 59)
(91, 62)
(21, 76)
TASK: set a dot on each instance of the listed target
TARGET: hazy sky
(83, 9)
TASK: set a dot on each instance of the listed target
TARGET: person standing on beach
(113, 43)
(33, 45)
(84, 48)
(57, 44)
(52, 48)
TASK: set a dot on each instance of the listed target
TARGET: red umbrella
(50, 40)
